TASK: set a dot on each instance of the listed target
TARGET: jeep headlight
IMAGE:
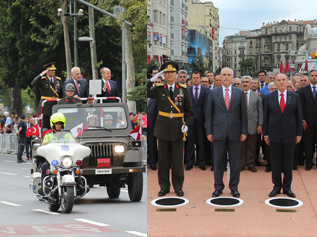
(118, 148)
(67, 162)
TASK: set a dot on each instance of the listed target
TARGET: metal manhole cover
(284, 202)
(169, 202)
(225, 201)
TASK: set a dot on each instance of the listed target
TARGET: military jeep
(116, 158)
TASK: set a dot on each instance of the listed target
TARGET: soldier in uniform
(174, 118)
(50, 87)
(69, 99)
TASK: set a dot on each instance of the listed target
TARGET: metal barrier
(8, 143)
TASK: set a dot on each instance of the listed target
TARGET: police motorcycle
(62, 183)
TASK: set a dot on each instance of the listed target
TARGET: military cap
(50, 66)
(69, 87)
(169, 67)
(108, 117)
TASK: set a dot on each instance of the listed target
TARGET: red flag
(137, 118)
(281, 67)
(144, 119)
(136, 133)
(286, 67)
(293, 63)
(34, 130)
(306, 66)
(184, 27)
(46, 131)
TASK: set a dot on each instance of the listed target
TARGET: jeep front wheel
(135, 187)
(113, 191)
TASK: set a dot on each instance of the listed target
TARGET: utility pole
(93, 48)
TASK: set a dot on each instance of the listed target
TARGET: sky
(250, 14)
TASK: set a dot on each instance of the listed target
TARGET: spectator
(189, 83)
(1, 121)
(211, 76)
(8, 129)
(218, 81)
(270, 78)
(304, 81)
(15, 125)
(262, 79)
(8, 119)
(182, 76)
(290, 86)
(236, 82)
(204, 81)
(132, 118)
(28, 140)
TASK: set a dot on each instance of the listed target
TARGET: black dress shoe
(212, 168)
(208, 163)
(289, 193)
(189, 167)
(295, 167)
(268, 169)
(196, 163)
(257, 163)
(274, 192)
(235, 193)
(253, 169)
(163, 192)
(241, 168)
(216, 193)
(202, 167)
(153, 167)
(308, 168)
(179, 193)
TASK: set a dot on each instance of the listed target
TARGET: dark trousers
(152, 147)
(28, 147)
(299, 157)
(267, 154)
(220, 161)
(309, 144)
(258, 144)
(248, 151)
(171, 150)
(282, 156)
(21, 144)
(195, 136)
(209, 151)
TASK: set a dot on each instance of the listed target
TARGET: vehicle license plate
(103, 171)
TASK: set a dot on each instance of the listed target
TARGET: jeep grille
(97, 152)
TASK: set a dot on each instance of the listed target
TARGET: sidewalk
(252, 218)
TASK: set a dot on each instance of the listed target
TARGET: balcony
(172, 19)
(241, 47)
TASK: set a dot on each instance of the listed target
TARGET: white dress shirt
(104, 81)
(173, 86)
(248, 96)
(224, 91)
(279, 96)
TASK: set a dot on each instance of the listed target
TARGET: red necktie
(227, 98)
(107, 87)
(282, 103)
(77, 88)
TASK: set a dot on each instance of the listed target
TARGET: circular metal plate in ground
(225, 201)
(169, 202)
(284, 202)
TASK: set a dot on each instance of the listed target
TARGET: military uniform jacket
(69, 100)
(43, 84)
(170, 128)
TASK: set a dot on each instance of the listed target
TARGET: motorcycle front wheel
(67, 199)
(53, 207)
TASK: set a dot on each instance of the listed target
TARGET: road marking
(7, 173)
(10, 203)
(25, 168)
(136, 233)
(124, 191)
(47, 212)
(92, 222)
(9, 161)
(27, 177)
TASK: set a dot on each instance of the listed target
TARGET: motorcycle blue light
(54, 162)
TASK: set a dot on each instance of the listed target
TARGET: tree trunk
(63, 4)
(130, 67)
(16, 100)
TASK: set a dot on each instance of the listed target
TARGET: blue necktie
(314, 91)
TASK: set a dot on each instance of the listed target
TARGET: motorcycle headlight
(67, 162)
(119, 148)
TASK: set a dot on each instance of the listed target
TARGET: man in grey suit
(227, 126)
(255, 121)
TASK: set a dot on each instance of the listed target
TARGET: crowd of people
(241, 133)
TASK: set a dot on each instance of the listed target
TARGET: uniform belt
(49, 98)
(171, 115)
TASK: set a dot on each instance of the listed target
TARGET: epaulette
(159, 84)
(182, 85)
(43, 77)
(58, 78)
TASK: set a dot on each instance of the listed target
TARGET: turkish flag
(137, 118)
(306, 65)
(286, 67)
(34, 130)
(281, 67)
(144, 119)
(293, 62)
(136, 133)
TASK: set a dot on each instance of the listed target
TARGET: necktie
(262, 84)
(171, 92)
(282, 103)
(107, 87)
(246, 98)
(314, 91)
(196, 94)
(77, 88)
(227, 98)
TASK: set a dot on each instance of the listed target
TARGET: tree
(247, 66)
(198, 66)
(152, 66)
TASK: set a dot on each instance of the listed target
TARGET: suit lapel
(276, 98)
(251, 98)
(222, 99)
(309, 92)
(233, 96)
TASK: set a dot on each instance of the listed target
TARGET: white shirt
(194, 90)
(279, 96)
(168, 85)
(104, 81)
(224, 91)
(8, 121)
(248, 96)
(311, 86)
(211, 86)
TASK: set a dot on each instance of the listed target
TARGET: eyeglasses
(182, 76)
(236, 84)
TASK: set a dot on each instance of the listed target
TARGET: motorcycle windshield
(60, 137)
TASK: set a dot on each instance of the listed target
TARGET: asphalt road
(22, 214)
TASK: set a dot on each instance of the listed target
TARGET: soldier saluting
(50, 87)
(174, 118)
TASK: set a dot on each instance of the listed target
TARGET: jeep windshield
(106, 118)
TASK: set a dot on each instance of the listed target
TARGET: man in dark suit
(227, 126)
(28, 145)
(80, 84)
(282, 128)
(175, 116)
(262, 80)
(196, 134)
(309, 106)
(109, 87)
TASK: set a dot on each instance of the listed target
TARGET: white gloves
(184, 129)
(153, 79)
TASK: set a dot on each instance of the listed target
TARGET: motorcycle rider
(57, 122)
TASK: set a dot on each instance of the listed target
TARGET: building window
(155, 16)
(160, 18)
(286, 46)
(290, 29)
(280, 38)
(285, 37)
(235, 51)
(163, 21)
(278, 47)
(275, 37)
(275, 29)
(290, 37)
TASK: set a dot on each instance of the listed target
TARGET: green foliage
(139, 95)
(198, 66)
(5, 97)
(218, 71)
(152, 66)
(28, 98)
(248, 66)
(185, 67)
